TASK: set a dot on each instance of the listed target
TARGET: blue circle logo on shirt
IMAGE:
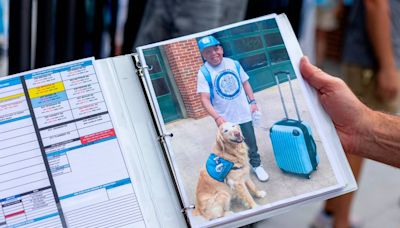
(227, 85)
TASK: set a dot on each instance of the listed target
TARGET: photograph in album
(244, 139)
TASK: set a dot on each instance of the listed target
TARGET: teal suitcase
(292, 141)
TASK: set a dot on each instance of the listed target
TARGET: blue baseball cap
(207, 41)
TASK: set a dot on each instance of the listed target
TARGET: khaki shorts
(363, 83)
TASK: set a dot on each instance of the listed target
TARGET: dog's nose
(236, 134)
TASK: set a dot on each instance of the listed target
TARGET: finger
(313, 75)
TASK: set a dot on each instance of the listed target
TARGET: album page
(245, 78)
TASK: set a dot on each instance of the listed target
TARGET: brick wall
(185, 60)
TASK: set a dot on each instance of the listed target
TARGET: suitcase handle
(276, 74)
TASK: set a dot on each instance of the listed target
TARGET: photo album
(216, 128)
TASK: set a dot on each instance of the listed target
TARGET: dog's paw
(261, 194)
(251, 205)
(254, 206)
(227, 213)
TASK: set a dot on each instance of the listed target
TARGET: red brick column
(185, 60)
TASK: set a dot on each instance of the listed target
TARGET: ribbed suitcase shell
(290, 148)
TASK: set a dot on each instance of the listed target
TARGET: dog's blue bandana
(218, 168)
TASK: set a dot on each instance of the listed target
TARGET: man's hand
(205, 101)
(348, 114)
(219, 120)
(388, 84)
(253, 108)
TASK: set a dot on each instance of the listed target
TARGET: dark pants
(250, 140)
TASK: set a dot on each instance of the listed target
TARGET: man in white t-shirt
(226, 95)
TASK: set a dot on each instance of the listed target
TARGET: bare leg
(340, 206)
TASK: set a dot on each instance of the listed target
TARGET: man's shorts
(363, 82)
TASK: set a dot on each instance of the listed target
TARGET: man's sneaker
(260, 173)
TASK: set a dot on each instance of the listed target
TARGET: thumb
(313, 75)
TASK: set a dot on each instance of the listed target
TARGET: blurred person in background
(167, 19)
(371, 58)
(326, 21)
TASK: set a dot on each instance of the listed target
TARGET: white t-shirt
(230, 100)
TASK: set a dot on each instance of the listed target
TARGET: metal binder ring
(149, 68)
(187, 208)
(163, 136)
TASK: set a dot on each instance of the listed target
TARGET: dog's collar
(218, 168)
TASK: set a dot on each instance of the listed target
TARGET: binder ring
(149, 67)
(163, 136)
(183, 210)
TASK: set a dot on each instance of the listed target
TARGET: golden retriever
(213, 197)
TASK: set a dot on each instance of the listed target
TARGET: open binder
(86, 143)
